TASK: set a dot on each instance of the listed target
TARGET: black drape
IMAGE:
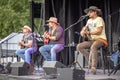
(69, 11)
(115, 16)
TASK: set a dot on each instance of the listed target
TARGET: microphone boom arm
(79, 20)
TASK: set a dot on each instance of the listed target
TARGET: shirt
(93, 25)
(28, 37)
(59, 34)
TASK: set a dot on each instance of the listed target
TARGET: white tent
(9, 44)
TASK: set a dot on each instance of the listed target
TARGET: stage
(40, 76)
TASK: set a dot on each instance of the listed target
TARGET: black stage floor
(39, 76)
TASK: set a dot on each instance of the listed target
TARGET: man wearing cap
(28, 43)
(95, 31)
(56, 40)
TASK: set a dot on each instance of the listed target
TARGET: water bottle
(73, 43)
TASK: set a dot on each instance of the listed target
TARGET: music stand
(6, 40)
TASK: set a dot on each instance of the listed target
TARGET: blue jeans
(49, 51)
(25, 53)
(115, 57)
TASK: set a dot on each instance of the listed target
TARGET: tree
(14, 15)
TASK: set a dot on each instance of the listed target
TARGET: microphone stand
(79, 20)
(75, 61)
(34, 45)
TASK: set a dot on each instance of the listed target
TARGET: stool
(103, 57)
(36, 59)
(59, 56)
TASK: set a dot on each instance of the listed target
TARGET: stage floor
(101, 76)
(88, 76)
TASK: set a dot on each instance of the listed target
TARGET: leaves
(13, 15)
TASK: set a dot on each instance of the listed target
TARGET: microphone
(38, 35)
(46, 25)
(34, 34)
(85, 15)
(77, 33)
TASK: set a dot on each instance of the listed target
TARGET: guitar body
(46, 40)
(85, 38)
(21, 46)
(23, 40)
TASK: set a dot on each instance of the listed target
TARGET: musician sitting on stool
(54, 42)
(95, 31)
(29, 45)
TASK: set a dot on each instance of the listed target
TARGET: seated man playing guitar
(95, 29)
(54, 40)
(28, 43)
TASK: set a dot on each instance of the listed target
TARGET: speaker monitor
(1, 68)
(8, 68)
(50, 67)
(80, 59)
(70, 74)
(21, 68)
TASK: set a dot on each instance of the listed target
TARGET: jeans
(25, 53)
(115, 57)
(49, 51)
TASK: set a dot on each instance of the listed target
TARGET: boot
(93, 70)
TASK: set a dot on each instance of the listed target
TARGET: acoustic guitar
(46, 40)
(87, 36)
(21, 46)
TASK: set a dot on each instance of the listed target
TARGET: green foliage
(14, 14)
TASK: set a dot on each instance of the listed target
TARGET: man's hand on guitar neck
(84, 31)
(29, 44)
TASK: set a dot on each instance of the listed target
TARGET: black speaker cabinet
(21, 68)
(50, 67)
(70, 74)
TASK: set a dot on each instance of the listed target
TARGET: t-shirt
(28, 37)
(93, 25)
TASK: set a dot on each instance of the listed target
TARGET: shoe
(89, 67)
(93, 70)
